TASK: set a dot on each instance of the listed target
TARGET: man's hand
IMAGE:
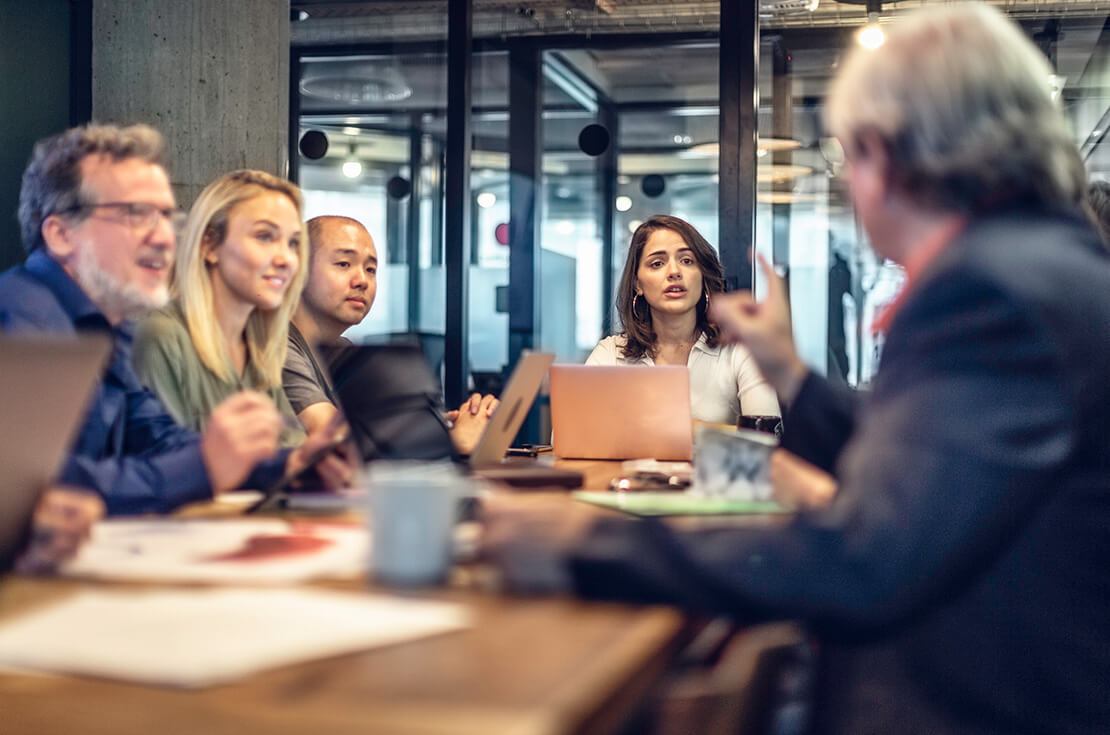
(529, 539)
(241, 432)
(764, 328)
(326, 449)
(63, 520)
(473, 405)
(798, 484)
(470, 420)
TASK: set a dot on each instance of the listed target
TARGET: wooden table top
(526, 666)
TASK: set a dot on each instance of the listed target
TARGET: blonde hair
(267, 331)
(962, 102)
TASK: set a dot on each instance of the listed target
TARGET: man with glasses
(98, 219)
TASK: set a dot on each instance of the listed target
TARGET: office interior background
(501, 152)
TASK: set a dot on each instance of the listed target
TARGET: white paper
(255, 551)
(203, 637)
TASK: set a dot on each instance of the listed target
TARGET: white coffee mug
(413, 509)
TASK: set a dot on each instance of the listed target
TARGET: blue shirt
(129, 450)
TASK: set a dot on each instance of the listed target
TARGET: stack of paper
(204, 637)
(256, 551)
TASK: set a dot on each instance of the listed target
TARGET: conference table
(527, 665)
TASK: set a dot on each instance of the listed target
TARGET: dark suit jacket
(960, 582)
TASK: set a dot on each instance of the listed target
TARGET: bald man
(342, 284)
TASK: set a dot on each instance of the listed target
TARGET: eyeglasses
(139, 216)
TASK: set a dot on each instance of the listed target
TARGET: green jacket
(169, 365)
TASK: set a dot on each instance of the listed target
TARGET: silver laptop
(621, 412)
(45, 384)
(516, 400)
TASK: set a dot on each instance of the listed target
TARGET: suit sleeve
(969, 421)
(817, 425)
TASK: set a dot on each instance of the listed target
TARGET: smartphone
(276, 496)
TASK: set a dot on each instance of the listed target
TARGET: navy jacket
(129, 449)
(960, 581)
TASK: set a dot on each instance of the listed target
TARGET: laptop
(516, 400)
(621, 412)
(45, 385)
(392, 402)
(488, 458)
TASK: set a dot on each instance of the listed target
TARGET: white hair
(962, 101)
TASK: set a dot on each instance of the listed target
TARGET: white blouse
(725, 382)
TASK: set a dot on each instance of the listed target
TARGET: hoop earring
(707, 300)
(635, 298)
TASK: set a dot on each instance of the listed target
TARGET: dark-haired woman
(669, 278)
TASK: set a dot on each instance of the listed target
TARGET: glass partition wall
(618, 118)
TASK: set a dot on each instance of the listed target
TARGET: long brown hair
(635, 314)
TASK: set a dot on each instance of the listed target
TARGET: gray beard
(112, 297)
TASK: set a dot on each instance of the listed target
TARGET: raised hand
(764, 328)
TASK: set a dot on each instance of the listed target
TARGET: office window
(804, 219)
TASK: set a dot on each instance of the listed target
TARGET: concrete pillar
(212, 75)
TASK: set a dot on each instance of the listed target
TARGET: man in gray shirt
(342, 283)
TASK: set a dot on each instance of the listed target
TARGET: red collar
(915, 265)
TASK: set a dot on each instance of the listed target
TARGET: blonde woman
(237, 279)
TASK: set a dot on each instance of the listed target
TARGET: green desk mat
(677, 504)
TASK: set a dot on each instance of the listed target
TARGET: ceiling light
(776, 145)
(766, 145)
(363, 83)
(624, 203)
(634, 225)
(784, 197)
(487, 199)
(871, 36)
(780, 172)
(352, 169)
(784, 7)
